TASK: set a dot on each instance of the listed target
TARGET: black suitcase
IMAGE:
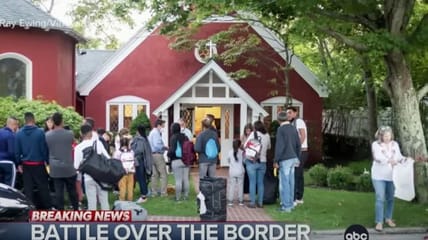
(214, 191)
(271, 187)
(14, 205)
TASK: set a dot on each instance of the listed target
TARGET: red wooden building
(37, 54)
(147, 75)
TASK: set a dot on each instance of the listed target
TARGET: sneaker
(241, 203)
(259, 205)
(142, 200)
(295, 203)
(299, 201)
(379, 227)
(282, 209)
(230, 204)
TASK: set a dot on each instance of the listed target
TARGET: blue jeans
(256, 174)
(384, 193)
(286, 176)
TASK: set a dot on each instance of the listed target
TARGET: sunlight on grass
(331, 209)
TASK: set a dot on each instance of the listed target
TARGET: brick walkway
(235, 213)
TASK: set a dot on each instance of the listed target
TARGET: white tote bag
(402, 176)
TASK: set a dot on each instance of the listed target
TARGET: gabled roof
(113, 61)
(264, 33)
(23, 13)
(89, 61)
(211, 65)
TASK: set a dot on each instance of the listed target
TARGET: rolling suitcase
(271, 185)
(213, 196)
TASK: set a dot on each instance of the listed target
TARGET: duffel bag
(101, 168)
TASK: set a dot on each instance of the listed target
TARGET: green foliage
(363, 183)
(340, 178)
(141, 119)
(318, 175)
(359, 167)
(41, 110)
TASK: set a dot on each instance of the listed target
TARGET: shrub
(318, 175)
(340, 178)
(141, 119)
(359, 167)
(41, 110)
(363, 183)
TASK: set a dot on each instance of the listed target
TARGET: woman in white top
(256, 169)
(386, 154)
(236, 173)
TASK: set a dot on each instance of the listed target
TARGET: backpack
(211, 150)
(178, 150)
(253, 148)
(189, 155)
(127, 159)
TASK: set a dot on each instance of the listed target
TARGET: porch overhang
(241, 95)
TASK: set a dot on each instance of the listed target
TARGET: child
(236, 173)
(126, 155)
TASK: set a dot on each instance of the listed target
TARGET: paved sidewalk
(236, 213)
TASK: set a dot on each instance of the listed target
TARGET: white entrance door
(226, 139)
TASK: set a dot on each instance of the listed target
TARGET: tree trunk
(408, 125)
(370, 96)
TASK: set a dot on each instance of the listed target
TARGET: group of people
(54, 153)
(290, 155)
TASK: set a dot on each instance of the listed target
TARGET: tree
(141, 119)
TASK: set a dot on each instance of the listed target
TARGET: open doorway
(201, 112)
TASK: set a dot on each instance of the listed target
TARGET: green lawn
(331, 209)
(166, 206)
(323, 208)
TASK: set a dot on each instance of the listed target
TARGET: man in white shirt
(93, 189)
(302, 130)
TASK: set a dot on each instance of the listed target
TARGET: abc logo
(356, 232)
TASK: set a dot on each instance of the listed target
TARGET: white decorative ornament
(203, 55)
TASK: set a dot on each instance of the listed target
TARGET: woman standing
(181, 171)
(256, 169)
(386, 154)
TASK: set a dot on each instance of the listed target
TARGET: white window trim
(280, 101)
(125, 100)
(28, 71)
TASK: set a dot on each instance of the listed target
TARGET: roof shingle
(23, 13)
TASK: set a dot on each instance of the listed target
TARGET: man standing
(207, 141)
(301, 129)
(31, 155)
(158, 147)
(61, 166)
(93, 189)
(7, 152)
(287, 151)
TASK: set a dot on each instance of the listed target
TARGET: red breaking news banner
(81, 216)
